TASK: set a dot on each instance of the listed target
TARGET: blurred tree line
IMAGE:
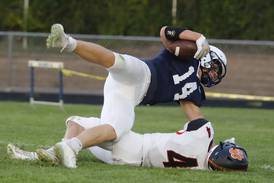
(224, 19)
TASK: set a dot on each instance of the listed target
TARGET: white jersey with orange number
(184, 149)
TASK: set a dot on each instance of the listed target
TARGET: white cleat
(47, 156)
(57, 37)
(65, 155)
(15, 152)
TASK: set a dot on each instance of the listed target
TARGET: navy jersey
(173, 79)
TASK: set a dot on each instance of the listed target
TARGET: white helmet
(216, 61)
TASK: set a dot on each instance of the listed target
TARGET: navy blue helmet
(228, 156)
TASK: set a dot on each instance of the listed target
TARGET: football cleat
(47, 156)
(58, 39)
(15, 152)
(65, 154)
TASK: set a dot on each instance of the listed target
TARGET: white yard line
(268, 167)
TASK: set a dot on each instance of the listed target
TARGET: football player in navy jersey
(132, 81)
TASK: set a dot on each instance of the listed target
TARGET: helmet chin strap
(199, 73)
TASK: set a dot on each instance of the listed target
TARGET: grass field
(33, 126)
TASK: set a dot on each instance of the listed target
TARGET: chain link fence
(250, 63)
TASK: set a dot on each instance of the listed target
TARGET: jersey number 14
(188, 88)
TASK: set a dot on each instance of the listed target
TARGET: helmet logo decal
(236, 154)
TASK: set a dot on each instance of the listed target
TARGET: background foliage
(226, 19)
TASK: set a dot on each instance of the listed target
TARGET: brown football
(182, 48)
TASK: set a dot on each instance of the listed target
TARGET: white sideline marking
(268, 167)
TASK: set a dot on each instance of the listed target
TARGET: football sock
(69, 44)
(75, 144)
(72, 43)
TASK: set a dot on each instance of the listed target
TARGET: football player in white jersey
(190, 148)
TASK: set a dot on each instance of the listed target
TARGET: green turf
(32, 126)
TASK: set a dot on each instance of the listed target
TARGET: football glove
(202, 47)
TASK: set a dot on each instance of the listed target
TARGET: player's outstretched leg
(91, 52)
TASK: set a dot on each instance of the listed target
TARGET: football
(182, 48)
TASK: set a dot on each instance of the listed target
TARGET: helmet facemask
(213, 68)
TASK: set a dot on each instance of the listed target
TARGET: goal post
(33, 64)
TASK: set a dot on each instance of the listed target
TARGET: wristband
(172, 33)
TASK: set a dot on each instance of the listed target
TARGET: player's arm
(191, 110)
(169, 35)
(176, 33)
